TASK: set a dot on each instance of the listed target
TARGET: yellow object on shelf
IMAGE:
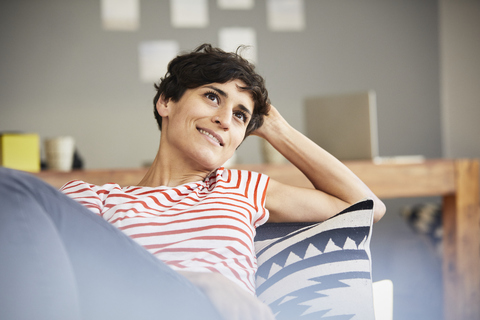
(20, 151)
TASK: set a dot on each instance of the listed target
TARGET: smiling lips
(215, 137)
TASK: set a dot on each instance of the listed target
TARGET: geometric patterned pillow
(320, 271)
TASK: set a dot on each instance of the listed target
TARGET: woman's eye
(241, 116)
(212, 97)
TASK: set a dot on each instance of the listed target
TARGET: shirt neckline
(189, 185)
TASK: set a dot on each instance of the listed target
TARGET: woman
(194, 215)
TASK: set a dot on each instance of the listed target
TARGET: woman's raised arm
(336, 187)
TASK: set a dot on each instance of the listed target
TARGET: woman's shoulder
(76, 186)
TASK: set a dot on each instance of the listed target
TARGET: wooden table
(456, 181)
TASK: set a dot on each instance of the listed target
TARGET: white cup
(59, 152)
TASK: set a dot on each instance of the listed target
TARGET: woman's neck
(171, 173)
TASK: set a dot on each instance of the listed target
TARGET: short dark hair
(205, 65)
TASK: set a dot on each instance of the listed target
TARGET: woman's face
(207, 124)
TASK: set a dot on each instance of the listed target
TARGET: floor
(411, 262)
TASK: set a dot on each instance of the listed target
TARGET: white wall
(460, 77)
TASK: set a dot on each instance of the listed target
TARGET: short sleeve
(257, 192)
(85, 194)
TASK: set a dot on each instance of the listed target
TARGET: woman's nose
(223, 117)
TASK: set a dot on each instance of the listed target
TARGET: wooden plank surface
(429, 178)
(449, 262)
(461, 256)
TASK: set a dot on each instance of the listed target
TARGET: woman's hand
(336, 187)
(271, 123)
(231, 301)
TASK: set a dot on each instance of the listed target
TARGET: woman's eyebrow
(219, 91)
(245, 109)
(224, 94)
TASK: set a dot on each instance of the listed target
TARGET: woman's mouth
(211, 136)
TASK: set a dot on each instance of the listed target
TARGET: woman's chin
(209, 166)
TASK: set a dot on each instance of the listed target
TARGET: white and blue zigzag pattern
(322, 271)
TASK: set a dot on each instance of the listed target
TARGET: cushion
(319, 271)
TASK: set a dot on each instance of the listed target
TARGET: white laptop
(344, 124)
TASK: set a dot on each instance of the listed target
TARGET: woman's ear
(163, 106)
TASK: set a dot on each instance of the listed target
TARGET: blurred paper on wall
(122, 15)
(189, 13)
(235, 4)
(286, 15)
(154, 57)
(231, 38)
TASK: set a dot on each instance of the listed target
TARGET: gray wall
(61, 73)
(460, 77)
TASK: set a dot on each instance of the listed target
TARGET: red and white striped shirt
(205, 226)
